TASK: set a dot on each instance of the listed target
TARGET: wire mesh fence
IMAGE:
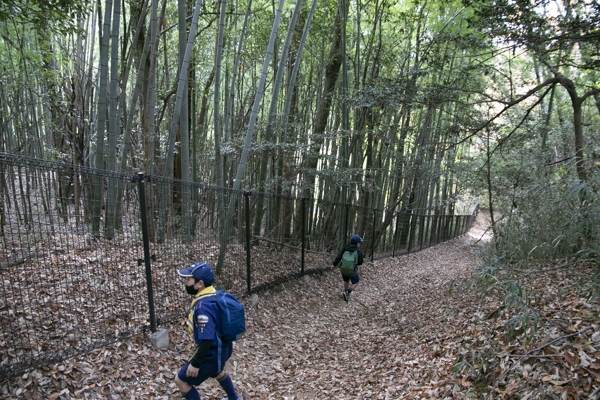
(90, 257)
(64, 290)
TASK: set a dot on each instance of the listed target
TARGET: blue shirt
(204, 320)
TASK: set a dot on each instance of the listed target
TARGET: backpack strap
(196, 298)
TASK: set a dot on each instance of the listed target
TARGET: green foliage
(458, 367)
(550, 220)
(452, 287)
(45, 15)
(515, 298)
(538, 23)
(547, 219)
(526, 320)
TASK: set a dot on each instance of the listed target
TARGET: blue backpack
(233, 320)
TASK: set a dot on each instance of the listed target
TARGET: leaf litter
(416, 328)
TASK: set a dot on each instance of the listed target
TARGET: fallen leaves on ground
(414, 329)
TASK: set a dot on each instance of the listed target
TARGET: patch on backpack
(202, 319)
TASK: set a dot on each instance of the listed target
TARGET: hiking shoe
(345, 296)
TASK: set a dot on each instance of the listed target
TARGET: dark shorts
(208, 369)
(353, 279)
(205, 372)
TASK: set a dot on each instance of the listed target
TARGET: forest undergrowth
(418, 327)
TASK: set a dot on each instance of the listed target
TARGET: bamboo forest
(407, 105)
(374, 112)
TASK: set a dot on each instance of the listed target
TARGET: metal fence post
(247, 195)
(373, 233)
(395, 237)
(409, 234)
(456, 226)
(421, 230)
(143, 216)
(345, 228)
(303, 202)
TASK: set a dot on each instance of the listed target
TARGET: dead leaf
(398, 337)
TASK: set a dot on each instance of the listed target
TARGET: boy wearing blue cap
(349, 258)
(211, 352)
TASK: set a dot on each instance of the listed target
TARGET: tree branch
(508, 105)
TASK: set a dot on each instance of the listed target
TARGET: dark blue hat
(355, 239)
(201, 271)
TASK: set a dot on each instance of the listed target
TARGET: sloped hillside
(415, 329)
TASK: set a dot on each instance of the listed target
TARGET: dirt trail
(401, 335)
(393, 340)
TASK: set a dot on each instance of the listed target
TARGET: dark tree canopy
(543, 28)
(60, 15)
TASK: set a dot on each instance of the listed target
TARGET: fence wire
(75, 276)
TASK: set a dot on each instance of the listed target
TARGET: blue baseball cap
(355, 239)
(201, 271)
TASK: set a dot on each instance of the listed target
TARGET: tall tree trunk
(149, 116)
(332, 71)
(268, 148)
(184, 132)
(114, 126)
(101, 128)
(231, 96)
(128, 113)
(183, 75)
(248, 141)
(217, 112)
(344, 158)
(288, 119)
(576, 104)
